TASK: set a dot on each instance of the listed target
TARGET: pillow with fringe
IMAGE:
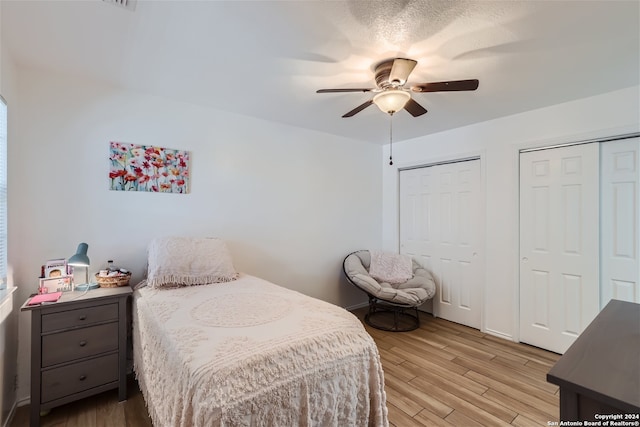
(188, 261)
(390, 267)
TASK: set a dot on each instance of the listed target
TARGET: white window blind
(3, 193)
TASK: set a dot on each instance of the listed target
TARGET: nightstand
(78, 347)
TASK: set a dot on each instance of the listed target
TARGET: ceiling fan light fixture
(392, 100)
(392, 96)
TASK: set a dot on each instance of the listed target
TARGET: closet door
(442, 224)
(559, 244)
(620, 220)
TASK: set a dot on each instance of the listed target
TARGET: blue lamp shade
(80, 259)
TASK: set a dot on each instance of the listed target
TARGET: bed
(242, 351)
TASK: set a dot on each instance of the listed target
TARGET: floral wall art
(147, 168)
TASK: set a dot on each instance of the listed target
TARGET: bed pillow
(187, 261)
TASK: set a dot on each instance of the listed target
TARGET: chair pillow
(390, 267)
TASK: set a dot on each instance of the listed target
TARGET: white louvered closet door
(559, 244)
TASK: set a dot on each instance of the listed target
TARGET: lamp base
(86, 286)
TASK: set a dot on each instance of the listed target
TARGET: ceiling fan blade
(414, 108)
(344, 90)
(358, 109)
(400, 70)
(453, 85)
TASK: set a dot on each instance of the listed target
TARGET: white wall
(498, 142)
(291, 203)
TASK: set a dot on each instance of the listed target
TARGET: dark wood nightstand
(78, 347)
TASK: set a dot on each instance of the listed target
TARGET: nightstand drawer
(67, 380)
(78, 343)
(79, 317)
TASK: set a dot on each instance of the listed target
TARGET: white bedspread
(250, 353)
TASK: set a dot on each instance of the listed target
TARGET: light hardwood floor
(442, 374)
(446, 374)
(102, 410)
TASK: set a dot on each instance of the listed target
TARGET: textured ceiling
(266, 59)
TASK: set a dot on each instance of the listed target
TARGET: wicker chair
(391, 307)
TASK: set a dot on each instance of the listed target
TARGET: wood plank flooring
(102, 410)
(446, 374)
(442, 374)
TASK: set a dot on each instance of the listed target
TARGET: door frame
(443, 160)
(545, 144)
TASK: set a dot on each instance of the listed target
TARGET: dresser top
(604, 362)
(81, 296)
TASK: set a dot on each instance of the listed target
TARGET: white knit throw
(390, 268)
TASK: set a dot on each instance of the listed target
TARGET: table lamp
(80, 259)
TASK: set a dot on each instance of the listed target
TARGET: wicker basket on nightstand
(121, 279)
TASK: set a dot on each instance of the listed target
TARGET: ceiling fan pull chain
(391, 139)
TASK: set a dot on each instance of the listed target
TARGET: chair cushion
(414, 291)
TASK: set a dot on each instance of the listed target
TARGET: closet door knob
(525, 259)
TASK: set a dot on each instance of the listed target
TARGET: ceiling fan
(390, 93)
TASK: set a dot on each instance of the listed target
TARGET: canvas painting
(147, 168)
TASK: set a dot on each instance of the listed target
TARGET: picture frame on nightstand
(55, 268)
(55, 284)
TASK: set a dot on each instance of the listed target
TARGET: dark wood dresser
(78, 347)
(599, 375)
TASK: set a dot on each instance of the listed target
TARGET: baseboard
(499, 335)
(12, 413)
(355, 307)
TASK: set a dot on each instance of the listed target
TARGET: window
(3, 193)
